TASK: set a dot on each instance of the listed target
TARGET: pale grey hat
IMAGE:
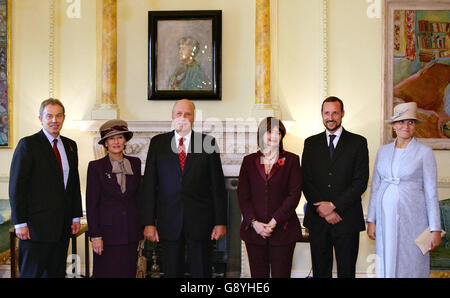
(404, 111)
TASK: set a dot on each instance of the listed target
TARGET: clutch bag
(423, 241)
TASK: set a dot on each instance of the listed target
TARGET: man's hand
(218, 232)
(150, 233)
(76, 225)
(333, 218)
(324, 208)
(97, 246)
(23, 233)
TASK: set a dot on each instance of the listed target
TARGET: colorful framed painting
(184, 59)
(5, 74)
(417, 66)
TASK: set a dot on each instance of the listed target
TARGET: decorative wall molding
(4, 178)
(51, 49)
(323, 49)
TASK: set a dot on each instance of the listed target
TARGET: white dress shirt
(62, 152)
(337, 133)
(186, 141)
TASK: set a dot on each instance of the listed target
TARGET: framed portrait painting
(184, 59)
(417, 66)
(5, 74)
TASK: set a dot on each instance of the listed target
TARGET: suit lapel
(190, 156)
(260, 165)
(50, 156)
(110, 177)
(340, 148)
(173, 152)
(322, 148)
(276, 167)
(70, 158)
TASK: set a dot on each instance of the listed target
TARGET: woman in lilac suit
(270, 186)
(112, 199)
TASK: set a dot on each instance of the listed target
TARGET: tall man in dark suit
(184, 196)
(335, 173)
(44, 192)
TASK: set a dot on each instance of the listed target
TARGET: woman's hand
(97, 245)
(272, 223)
(371, 230)
(262, 229)
(435, 239)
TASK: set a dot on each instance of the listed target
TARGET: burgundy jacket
(277, 196)
(112, 215)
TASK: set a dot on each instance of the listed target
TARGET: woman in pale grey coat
(403, 200)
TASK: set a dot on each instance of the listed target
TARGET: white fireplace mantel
(235, 138)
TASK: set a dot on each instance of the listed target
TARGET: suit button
(124, 213)
(329, 185)
(330, 174)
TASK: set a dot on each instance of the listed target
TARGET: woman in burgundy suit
(270, 186)
(112, 199)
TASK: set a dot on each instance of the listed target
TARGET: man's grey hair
(51, 101)
(185, 99)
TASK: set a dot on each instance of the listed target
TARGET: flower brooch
(281, 161)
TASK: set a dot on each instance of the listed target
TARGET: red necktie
(182, 154)
(58, 156)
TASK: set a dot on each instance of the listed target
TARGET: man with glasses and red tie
(184, 196)
(335, 168)
(44, 193)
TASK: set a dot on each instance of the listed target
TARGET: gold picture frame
(5, 75)
(416, 37)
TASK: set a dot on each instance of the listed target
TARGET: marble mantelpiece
(235, 138)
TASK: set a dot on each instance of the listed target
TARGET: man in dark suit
(184, 196)
(45, 198)
(335, 167)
